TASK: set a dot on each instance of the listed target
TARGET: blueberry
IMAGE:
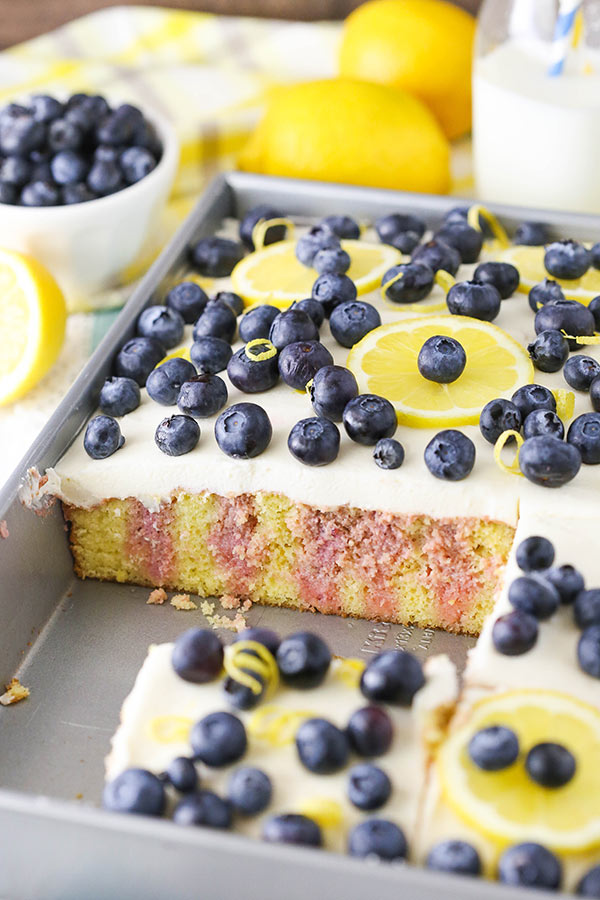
(548, 461)
(177, 435)
(8, 193)
(368, 786)
(138, 357)
(218, 739)
(461, 214)
(533, 234)
(102, 437)
(547, 291)
(549, 351)
(388, 453)
(313, 308)
(216, 320)
(530, 865)
(498, 416)
(450, 455)
(76, 193)
(331, 260)
(437, 255)
(188, 299)
(320, 237)
(567, 259)
(379, 839)
(291, 326)
(15, 170)
(144, 135)
(45, 108)
(232, 300)
(494, 748)
(300, 362)
(265, 636)
(393, 676)
(370, 731)
(162, 323)
(303, 659)
(331, 390)
(514, 633)
(40, 193)
(533, 396)
(550, 765)
(457, 857)
(535, 553)
(441, 359)
(202, 396)
(243, 431)
(468, 298)
(322, 747)
(567, 581)
(85, 111)
(350, 322)
(261, 213)
(368, 418)
(136, 163)
(314, 441)
(215, 257)
(254, 368)
(569, 316)
(405, 242)
(292, 828)
(164, 383)
(468, 241)
(594, 308)
(256, 323)
(241, 696)
(105, 178)
(203, 808)
(135, 791)
(106, 153)
(181, 773)
(586, 608)
(118, 127)
(535, 596)
(210, 354)
(589, 885)
(21, 134)
(503, 276)
(68, 167)
(119, 396)
(588, 651)
(584, 434)
(344, 227)
(543, 421)
(249, 790)
(393, 224)
(332, 289)
(595, 393)
(580, 371)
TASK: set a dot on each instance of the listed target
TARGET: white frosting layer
(158, 691)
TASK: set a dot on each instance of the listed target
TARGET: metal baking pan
(78, 645)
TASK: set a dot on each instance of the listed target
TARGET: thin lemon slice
(32, 323)
(385, 363)
(507, 805)
(274, 275)
(530, 263)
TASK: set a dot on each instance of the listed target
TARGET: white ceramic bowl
(89, 246)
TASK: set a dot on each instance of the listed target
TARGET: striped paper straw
(563, 31)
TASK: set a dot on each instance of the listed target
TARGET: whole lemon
(422, 46)
(353, 132)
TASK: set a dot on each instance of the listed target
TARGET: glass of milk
(536, 136)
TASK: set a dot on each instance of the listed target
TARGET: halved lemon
(274, 275)
(385, 363)
(33, 316)
(530, 263)
(507, 805)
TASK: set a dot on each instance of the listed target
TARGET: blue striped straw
(563, 31)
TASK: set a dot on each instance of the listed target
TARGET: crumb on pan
(230, 601)
(183, 601)
(4, 532)
(157, 597)
(238, 623)
(34, 494)
(15, 692)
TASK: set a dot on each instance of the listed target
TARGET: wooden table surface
(23, 19)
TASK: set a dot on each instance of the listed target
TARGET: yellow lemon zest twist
(276, 725)
(244, 655)
(513, 468)
(444, 280)
(169, 729)
(565, 403)
(325, 812)
(349, 671)
(259, 232)
(498, 231)
(269, 353)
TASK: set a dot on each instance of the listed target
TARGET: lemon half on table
(274, 275)
(33, 317)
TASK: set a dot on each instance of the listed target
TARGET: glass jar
(536, 136)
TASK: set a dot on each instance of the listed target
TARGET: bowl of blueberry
(82, 182)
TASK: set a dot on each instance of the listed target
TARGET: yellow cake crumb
(229, 601)
(183, 601)
(3, 529)
(15, 692)
(157, 596)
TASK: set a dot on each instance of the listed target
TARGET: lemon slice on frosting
(506, 805)
(32, 323)
(530, 263)
(274, 275)
(385, 363)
